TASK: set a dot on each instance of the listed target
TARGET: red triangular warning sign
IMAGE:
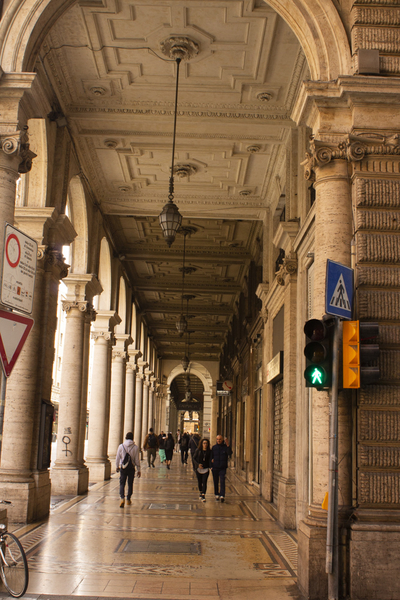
(14, 329)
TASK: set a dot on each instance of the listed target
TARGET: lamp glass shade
(185, 363)
(181, 325)
(170, 220)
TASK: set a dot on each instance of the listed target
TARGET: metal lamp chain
(171, 179)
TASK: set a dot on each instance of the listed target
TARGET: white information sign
(19, 270)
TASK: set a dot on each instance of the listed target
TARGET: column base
(312, 579)
(72, 481)
(99, 470)
(30, 499)
(287, 503)
(375, 557)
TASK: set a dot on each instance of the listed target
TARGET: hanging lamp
(170, 218)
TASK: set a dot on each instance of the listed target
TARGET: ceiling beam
(176, 309)
(155, 285)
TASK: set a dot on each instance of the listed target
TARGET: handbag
(202, 471)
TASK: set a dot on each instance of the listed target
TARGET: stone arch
(204, 375)
(78, 216)
(104, 302)
(316, 23)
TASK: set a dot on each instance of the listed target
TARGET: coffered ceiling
(116, 87)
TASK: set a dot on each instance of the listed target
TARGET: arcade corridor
(167, 545)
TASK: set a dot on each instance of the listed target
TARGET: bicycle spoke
(14, 567)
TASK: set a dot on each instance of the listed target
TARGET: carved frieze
(379, 276)
(379, 456)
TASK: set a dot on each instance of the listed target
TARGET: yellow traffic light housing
(351, 355)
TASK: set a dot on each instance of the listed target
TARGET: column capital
(82, 287)
(16, 145)
(45, 225)
(83, 307)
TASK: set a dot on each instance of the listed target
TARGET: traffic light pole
(332, 536)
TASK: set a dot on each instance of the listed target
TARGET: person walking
(202, 463)
(162, 438)
(151, 444)
(169, 449)
(193, 445)
(184, 443)
(128, 457)
(219, 463)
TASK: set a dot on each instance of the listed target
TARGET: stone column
(97, 459)
(117, 395)
(145, 414)
(70, 475)
(333, 233)
(137, 434)
(26, 482)
(130, 386)
(151, 403)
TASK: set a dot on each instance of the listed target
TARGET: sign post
(19, 270)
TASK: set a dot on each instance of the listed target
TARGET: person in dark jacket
(184, 444)
(193, 445)
(202, 463)
(219, 462)
(169, 449)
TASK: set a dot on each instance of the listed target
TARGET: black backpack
(151, 442)
(127, 461)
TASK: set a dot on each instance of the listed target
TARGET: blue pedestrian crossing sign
(339, 290)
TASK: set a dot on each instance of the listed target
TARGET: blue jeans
(126, 474)
(219, 479)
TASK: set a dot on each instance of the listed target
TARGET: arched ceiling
(116, 89)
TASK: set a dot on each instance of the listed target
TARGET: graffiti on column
(66, 440)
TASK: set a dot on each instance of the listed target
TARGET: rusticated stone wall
(375, 27)
(377, 223)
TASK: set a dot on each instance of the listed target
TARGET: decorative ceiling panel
(116, 87)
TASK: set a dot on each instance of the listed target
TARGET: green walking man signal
(318, 353)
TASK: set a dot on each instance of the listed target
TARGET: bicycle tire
(14, 571)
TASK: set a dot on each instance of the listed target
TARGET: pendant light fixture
(170, 219)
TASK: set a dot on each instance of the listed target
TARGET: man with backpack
(151, 444)
(127, 458)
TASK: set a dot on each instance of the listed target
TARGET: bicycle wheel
(13, 565)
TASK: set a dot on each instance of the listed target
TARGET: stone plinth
(312, 579)
(69, 481)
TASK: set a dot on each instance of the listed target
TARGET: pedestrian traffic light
(318, 353)
(359, 351)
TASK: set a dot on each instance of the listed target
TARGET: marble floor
(167, 545)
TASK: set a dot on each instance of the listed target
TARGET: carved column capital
(352, 148)
(288, 268)
(17, 145)
(105, 335)
(67, 305)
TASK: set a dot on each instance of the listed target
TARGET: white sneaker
(200, 497)
(203, 499)
(217, 498)
(222, 499)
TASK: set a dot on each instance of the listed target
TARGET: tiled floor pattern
(167, 545)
